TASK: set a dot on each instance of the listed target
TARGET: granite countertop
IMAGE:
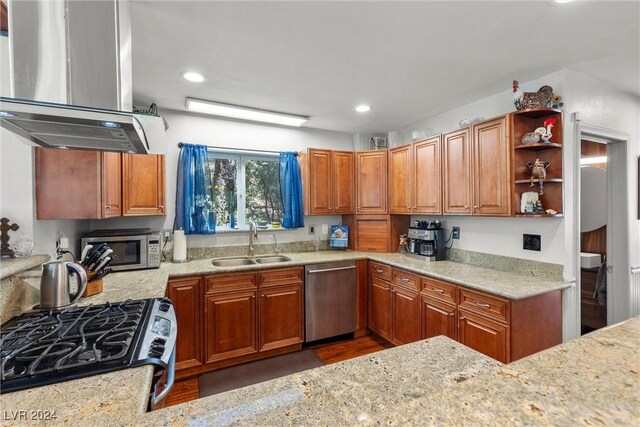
(152, 283)
(11, 266)
(591, 380)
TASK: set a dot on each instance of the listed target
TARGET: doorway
(593, 236)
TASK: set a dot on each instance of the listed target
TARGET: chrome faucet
(277, 250)
(253, 235)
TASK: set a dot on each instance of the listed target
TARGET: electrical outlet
(456, 232)
(167, 235)
(312, 229)
(531, 242)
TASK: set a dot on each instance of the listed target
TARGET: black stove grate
(48, 346)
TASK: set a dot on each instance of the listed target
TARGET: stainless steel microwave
(133, 249)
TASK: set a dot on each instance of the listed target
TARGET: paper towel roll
(179, 246)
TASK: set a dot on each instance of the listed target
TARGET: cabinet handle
(440, 291)
(476, 207)
(453, 314)
(107, 207)
(461, 318)
(479, 304)
(161, 206)
(466, 207)
(404, 279)
(379, 271)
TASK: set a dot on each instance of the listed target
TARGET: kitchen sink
(232, 262)
(272, 259)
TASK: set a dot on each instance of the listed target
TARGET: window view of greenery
(224, 173)
(264, 205)
(260, 187)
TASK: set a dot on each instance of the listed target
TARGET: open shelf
(537, 147)
(535, 181)
(525, 121)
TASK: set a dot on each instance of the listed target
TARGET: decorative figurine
(556, 102)
(538, 207)
(5, 251)
(525, 100)
(539, 172)
(530, 138)
(545, 132)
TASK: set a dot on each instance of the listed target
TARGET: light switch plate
(325, 228)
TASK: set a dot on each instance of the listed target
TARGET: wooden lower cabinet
(380, 307)
(405, 315)
(281, 316)
(485, 336)
(438, 318)
(231, 327)
(186, 295)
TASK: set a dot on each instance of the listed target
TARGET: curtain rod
(231, 150)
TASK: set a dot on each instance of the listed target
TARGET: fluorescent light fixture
(593, 160)
(244, 113)
(560, 1)
(193, 77)
(362, 108)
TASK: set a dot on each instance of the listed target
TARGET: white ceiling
(408, 60)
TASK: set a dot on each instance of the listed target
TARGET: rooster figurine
(539, 172)
(545, 131)
(524, 100)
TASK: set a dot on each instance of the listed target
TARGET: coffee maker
(426, 241)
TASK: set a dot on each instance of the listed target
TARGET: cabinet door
(185, 293)
(405, 311)
(427, 189)
(491, 176)
(343, 182)
(438, 318)
(231, 325)
(281, 316)
(68, 184)
(400, 180)
(320, 201)
(111, 184)
(371, 182)
(380, 307)
(456, 164)
(485, 336)
(372, 234)
(143, 189)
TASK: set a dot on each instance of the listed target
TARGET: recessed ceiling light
(362, 108)
(193, 77)
(244, 113)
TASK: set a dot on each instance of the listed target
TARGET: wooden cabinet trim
(281, 276)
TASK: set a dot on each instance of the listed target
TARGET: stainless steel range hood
(72, 78)
(63, 126)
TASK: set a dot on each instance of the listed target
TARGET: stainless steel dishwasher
(330, 300)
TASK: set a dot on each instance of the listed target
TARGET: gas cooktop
(48, 346)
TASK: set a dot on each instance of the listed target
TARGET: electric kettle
(55, 284)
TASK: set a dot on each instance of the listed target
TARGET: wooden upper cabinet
(491, 166)
(456, 165)
(111, 184)
(328, 179)
(371, 182)
(320, 200)
(401, 180)
(68, 184)
(427, 189)
(343, 182)
(143, 189)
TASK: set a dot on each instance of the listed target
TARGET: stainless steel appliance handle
(331, 269)
(171, 379)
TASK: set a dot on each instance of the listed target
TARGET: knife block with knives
(95, 262)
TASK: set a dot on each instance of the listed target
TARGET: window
(245, 189)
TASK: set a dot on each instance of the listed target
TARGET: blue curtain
(291, 190)
(194, 192)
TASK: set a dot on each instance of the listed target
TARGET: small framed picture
(339, 237)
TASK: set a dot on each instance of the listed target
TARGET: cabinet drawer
(230, 282)
(405, 278)
(485, 305)
(440, 290)
(382, 271)
(284, 276)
